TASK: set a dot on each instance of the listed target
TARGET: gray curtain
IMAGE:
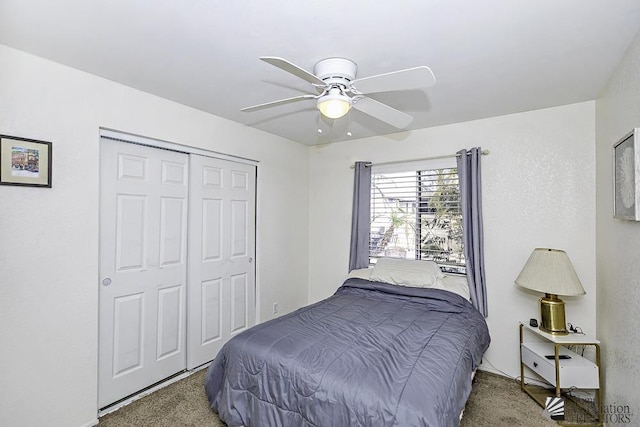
(471, 197)
(360, 216)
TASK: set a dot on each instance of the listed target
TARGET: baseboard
(492, 370)
(527, 380)
(91, 423)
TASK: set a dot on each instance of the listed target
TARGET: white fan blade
(287, 66)
(383, 112)
(411, 78)
(278, 102)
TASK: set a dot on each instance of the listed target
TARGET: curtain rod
(483, 152)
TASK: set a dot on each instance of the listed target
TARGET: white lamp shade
(334, 105)
(550, 271)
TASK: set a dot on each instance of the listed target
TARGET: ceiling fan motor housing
(336, 71)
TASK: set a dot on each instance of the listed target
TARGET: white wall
(538, 191)
(618, 242)
(49, 237)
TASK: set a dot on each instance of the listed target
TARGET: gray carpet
(494, 402)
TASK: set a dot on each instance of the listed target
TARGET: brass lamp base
(552, 315)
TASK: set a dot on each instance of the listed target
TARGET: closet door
(221, 296)
(143, 266)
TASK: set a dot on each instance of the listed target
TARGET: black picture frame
(25, 162)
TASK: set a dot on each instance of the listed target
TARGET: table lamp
(550, 271)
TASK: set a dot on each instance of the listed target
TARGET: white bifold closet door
(177, 276)
(221, 255)
(143, 267)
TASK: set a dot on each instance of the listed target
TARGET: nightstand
(565, 370)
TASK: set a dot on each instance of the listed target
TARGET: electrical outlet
(275, 307)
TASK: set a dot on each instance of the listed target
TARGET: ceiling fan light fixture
(334, 104)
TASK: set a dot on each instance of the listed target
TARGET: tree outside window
(417, 215)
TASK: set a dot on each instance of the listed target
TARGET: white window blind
(416, 214)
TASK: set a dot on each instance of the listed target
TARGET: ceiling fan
(339, 90)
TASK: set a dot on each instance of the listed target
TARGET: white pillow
(407, 272)
(360, 273)
(457, 284)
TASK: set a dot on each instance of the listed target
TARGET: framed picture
(626, 167)
(25, 162)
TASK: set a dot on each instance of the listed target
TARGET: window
(416, 214)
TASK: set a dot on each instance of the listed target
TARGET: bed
(379, 352)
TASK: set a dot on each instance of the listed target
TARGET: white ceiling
(490, 57)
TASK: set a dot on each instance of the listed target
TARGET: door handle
(106, 281)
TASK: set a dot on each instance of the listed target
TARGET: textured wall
(538, 191)
(618, 242)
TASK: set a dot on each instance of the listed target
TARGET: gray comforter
(373, 354)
